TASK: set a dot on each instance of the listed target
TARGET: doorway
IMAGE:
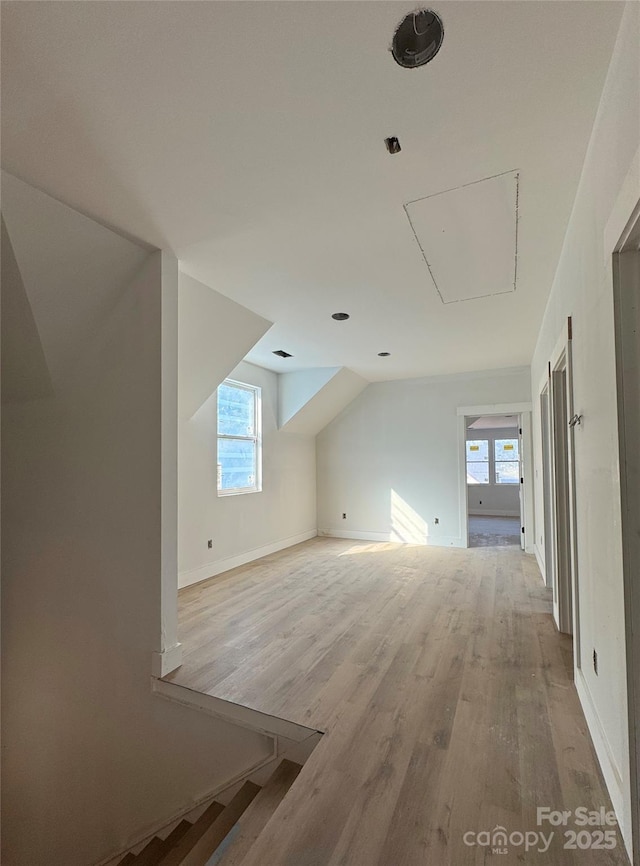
(494, 475)
(626, 281)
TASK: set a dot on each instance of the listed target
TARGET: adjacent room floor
(485, 531)
(442, 686)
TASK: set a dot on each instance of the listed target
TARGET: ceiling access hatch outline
(482, 216)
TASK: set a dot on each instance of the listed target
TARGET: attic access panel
(469, 237)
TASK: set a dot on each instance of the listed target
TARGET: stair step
(176, 856)
(176, 835)
(151, 853)
(127, 860)
(199, 854)
(238, 842)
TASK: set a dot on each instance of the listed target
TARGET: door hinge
(520, 430)
(523, 529)
(521, 480)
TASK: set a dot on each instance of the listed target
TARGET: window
(477, 461)
(239, 445)
(507, 461)
(499, 464)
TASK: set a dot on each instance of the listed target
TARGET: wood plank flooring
(442, 686)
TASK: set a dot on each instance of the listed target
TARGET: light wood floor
(444, 691)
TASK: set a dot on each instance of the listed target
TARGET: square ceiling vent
(468, 237)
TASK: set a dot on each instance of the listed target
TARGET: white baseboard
(541, 565)
(217, 566)
(166, 661)
(608, 765)
(236, 714)
(364, 535)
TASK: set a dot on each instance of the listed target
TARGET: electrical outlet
(344, 515)
(436, 520)
(210, 543)
(595, 661)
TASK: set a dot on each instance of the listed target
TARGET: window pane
(236, 464)
(236, 411)
(506, 449)
(477, 473)
(507, 472)
(477, 450)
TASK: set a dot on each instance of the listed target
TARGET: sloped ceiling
(311, 399)
(214, 335)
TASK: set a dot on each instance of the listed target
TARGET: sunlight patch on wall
(407, 526)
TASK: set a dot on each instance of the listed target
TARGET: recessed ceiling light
(383, 354)
(282, 354)
(417, 39)
(340, 317)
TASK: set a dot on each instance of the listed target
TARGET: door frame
(546, 451)
(524, 410)
(566, 608)
(626, 279)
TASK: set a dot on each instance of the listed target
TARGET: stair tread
(150, 853)
(199, 853)
(127, 860)
(176, 835)
(256, 816)
(176, 855)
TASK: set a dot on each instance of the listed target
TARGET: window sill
(241, 492)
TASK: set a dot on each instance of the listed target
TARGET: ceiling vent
(282, 354)
(417, 39)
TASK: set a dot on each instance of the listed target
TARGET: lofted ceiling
(248, 137)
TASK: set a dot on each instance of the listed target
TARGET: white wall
(248, 525)
(91, 759)
(502, 500)
(391, 460)
(609, 189)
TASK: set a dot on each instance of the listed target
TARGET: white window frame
(256, 438)
(486, 439)
(491, 440)
(495, 461)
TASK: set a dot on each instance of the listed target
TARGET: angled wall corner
(311, 399)
(25, 374)
(214, 335)
(67, 274)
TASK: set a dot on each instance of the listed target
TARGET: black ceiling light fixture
(417, 39)
(392, 144)
(282, 354)
(340, 317)
(384, 354)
